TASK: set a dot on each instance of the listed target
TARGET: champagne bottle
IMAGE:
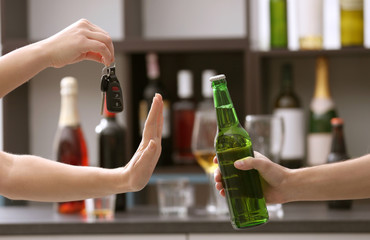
(278, 23)
(352, 23)
(288, 107)
(322, 110)
(243, 189)
(338, 153)
(111, 148)
(183, 119)
(70, 145)
(155, 86)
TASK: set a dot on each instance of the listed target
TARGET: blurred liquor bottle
(111, 148)
(278, 24)
(310, 20)
(288, 107)
(155, 86)
(352, 23)
(70, 145)
(338, 153)
(183, 119)
(322, 110)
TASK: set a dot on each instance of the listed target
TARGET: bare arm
(80, 41)
(39, 179)
(345, 180)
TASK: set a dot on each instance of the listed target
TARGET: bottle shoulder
(287, 100)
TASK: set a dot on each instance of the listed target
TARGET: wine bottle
(111, 142)
(338, 153)
(322, 110)
(183, 119)
(352, 23)
(243, 189)
(70, 146)
(288, 107)
(278, 24)
(155, 86)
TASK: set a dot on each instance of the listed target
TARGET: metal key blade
(102, 103)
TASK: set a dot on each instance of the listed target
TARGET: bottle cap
(336, 121)
(185, 84)
(68, 86)
(206, 87)
(218, 77)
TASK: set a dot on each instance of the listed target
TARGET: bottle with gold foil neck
(322, 110)
(70, 146)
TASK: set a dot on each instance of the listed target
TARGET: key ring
(106, 70)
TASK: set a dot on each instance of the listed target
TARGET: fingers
(104, 38)
(215, 160)
(154, 123)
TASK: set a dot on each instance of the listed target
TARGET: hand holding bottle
(272, 176)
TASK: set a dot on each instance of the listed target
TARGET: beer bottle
(338, 153)
(243, 189)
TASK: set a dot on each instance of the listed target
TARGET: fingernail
(239, 163)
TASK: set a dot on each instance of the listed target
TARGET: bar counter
(313, 217)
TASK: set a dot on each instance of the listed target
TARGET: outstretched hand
(272, 174)
(142, 164)
(80, 41)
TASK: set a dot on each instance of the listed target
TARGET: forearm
(18, 66)
(37, 179)
(345, 180)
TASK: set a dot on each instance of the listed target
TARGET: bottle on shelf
(111, 145)
(352, 23)
(155, 86)
(70, 146)
(322, 110)
(243, 189)
(205, 114)
(310, 22)
(338, 153)
(278, 24)
(183, 119)
(288, 107)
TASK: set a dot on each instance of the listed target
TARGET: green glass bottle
(278, 23)
(243, 189)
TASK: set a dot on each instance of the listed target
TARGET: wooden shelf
(181, 45)
(344, 52)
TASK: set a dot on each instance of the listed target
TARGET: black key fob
(111, 88)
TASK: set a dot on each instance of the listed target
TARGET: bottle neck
(338, 144)
(322, 79)
(69, 111)
(106, 113)
(286, 80)
(226, 114)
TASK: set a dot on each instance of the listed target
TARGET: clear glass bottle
(288, 107)
(352, 23)
(70, 146)
(322, 110)
(243, 189)
(183, 119)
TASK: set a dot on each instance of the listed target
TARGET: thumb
(244, 163)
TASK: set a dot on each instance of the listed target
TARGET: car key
(112, 92)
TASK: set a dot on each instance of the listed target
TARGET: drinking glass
(266, 133)
(203, 136)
